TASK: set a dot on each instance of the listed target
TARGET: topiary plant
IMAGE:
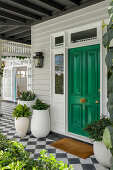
(107, 38)
(27, 96)
(39, 105)
(21, 111)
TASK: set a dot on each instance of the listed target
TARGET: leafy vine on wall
(107, 38)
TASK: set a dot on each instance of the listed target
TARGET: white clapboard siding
(41, 41)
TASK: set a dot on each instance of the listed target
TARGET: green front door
(83, 87)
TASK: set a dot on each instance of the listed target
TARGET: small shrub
(96, 128)
(27, 96)
(39, 105)
(14, 157)
(21, 111)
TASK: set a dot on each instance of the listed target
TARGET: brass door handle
(82, 100)
(97, 102)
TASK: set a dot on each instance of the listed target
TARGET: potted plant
(40, 122)
(95, 131)
(28, 98)
(21, 114)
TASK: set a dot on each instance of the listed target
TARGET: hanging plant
(107, 38)
(2, 68)
(18, 57)
(1, 71)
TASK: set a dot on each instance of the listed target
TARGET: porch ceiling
(17, 16)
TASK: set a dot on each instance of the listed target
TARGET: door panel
(76, 116)
(91, 73)
(76, 66)
(90, 113)
(84, 82)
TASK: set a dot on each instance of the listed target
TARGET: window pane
(59, 41)
(84, 35)
(59, 74)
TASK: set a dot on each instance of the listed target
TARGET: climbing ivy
(107, 38)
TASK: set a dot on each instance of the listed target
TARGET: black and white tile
(34, 145)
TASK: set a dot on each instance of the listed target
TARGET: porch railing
(14, 48)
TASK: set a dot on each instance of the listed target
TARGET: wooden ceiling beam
(18, 11)
(3, 20)
(7, 29)
(77, 2)
(14, 40)
(53, 4)
(17, 31)
(22, 35)
(12, 17)
(32, 6)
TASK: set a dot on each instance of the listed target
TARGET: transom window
(84, 35)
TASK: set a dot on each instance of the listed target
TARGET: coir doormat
(74, 147)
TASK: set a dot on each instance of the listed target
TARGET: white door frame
(103, 70)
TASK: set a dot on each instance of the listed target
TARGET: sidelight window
(59, 74)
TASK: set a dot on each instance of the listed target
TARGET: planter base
(21, 125)
(102, 154)
(40, 123)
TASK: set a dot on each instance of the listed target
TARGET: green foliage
(19, 57)
(107, 38)
(2, 69)
(59, 79)
(21, 111)
(1, 72)
(107, 138)
(109, 58)
(39, 105)
(96, 128)
(27, 96)
(14, 157)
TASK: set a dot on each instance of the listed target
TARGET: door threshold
(74, 136)
(79, 137)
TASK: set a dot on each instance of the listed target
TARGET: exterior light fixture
(38, 59)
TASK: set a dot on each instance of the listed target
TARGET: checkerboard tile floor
(34, 145)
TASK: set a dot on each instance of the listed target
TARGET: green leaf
(110, 9)
(21, 111)
(107, 137)
(111, 23)
(27, 96)
(108, 36)
(110, 84)
(109, 58)
(110, 100)
(39, 105)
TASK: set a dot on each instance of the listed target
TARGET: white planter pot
(40, 123)
(102, 154)
(28, 103)
(21, 125)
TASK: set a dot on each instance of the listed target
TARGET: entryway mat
(74, 147)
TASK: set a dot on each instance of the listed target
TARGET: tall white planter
(21, 125)
(28, 104)
(40, 123)
(102, 154)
